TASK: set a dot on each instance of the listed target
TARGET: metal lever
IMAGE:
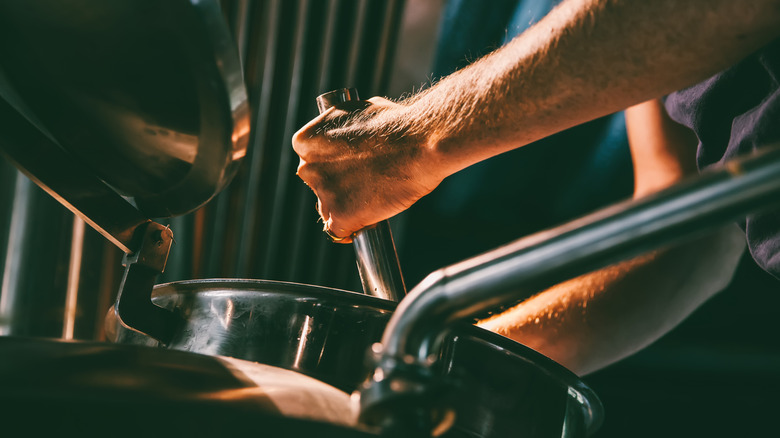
(377, 260)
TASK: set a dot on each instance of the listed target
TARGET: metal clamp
(133, 306)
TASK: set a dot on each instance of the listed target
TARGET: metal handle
(377, 260)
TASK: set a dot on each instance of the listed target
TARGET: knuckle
(303, 168)
(379, 100)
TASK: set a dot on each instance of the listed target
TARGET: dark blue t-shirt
(734, 113)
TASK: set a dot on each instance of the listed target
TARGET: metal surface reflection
(100, 388)
(498, 386)
(319, 331)
(147, 97)
(302, 338)
(123, 111)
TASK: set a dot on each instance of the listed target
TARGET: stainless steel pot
(496, 387)
(87, 133)
(49, 387)
(321, 332)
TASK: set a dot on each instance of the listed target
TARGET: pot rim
(592, 408)
(253, 285)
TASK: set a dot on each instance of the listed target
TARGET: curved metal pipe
(504, 275)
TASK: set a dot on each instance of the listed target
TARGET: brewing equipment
(134, 110)
(131, 111)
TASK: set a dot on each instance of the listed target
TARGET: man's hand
(363, 164)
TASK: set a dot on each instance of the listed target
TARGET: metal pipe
(74, 278)
(266, 65)
(377, 260)
(240, 25)
(387, 43)
(301, 236)
(502, 276)
(326, 56)
(279, 219)
(12, 270)
(357, 27)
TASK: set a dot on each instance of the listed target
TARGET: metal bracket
(134, 306)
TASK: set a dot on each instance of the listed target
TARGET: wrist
(424, 128)
(407, 130)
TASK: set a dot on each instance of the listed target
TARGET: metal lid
(137, 99)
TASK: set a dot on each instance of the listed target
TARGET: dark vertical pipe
(107, 284)
(239, 23)
(279, 217)
(387, 44)
(35, 268)
(98, 283)
(320, 247)
(328, 44)
(353, 62)
(218, 248)
(216, 238)
(74, 279)
(306, 234)
(8, 175)
(266, 58)
(197, 254)
(18, 231)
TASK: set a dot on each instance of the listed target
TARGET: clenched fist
(365, 163)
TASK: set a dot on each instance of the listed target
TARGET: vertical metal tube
(54, 271)
(74, 276)
(387, 43)
(217, 236)
(279, 218)
(198, 236)
(353, 62)
(322, 250)
(240, 25)
(303, 241)
(377, 261)
(328, 47)
(247, 238)
(12, 271)
(217, 239)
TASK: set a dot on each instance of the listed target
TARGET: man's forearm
(599, 318)
(587, 58)
(602, 317)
